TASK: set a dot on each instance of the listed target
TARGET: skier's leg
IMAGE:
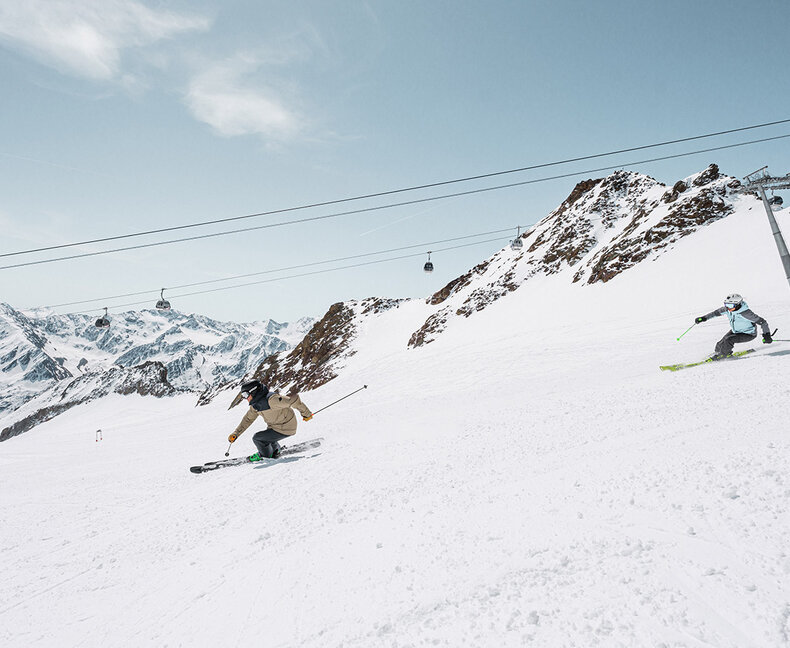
(267, 442)
(740, 338)
(724, 346)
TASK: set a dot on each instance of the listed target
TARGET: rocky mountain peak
(317, 358)
(604, 226)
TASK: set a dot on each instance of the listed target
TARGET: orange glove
(307, 418)
(233, 437)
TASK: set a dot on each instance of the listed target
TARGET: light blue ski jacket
(742, 320)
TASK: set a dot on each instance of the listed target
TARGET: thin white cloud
(226, 97)
(87, 37)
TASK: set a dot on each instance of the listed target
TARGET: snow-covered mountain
(602, 229)
(147, 379)
(528, 477)
(525, 475)
(39, 351)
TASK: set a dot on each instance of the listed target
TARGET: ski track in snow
(638, 515)
(502, 486)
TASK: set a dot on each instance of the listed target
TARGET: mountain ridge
(604, 227)
(41, 352)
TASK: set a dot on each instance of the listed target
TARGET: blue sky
(119, 116)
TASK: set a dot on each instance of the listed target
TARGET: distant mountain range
(44, 357)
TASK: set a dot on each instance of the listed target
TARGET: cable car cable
(294, 267)
(307, 274)
(397, 191)
(390, 206)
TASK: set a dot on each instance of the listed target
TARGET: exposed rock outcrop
(321, 353)
(604, 227)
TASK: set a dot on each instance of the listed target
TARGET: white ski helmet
(733, 300)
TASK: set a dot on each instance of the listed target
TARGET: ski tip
(196, 469)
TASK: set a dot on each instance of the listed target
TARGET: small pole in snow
(687, 330)
(99, 436)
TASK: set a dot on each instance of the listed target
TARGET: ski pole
(775, 340)
(687, 330)
(340, 399)
(227, 454)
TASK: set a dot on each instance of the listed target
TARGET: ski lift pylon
(517, 243)
(162, 304)
(104, 321)
(428, 267)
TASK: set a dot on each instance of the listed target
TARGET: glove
(767, 338)
(307, 418)
(233, 437)
(700, 319)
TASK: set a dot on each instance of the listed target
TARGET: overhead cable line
(393, 205)
(307, 274)
(294, 267)
(380, 194)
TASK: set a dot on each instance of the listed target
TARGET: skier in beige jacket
(276, 410)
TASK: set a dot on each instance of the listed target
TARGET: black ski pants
(266, 441)
(724, 346)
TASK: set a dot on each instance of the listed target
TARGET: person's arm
(757, 320)
(276, 401)
(249, 419)
(719, 311)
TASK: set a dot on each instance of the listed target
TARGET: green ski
(734, 356)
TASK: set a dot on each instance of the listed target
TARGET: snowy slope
(527, 478)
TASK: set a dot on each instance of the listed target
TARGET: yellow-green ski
(677, 367)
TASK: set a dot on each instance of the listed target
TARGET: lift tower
(759, 181)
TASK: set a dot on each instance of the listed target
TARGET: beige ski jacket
(279, 417)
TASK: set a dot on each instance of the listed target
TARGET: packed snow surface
(530, 478)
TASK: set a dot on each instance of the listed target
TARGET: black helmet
(252, 387)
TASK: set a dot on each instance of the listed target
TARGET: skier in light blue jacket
(743, 325)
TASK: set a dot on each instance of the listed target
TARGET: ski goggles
(731, 306)
(245, 394)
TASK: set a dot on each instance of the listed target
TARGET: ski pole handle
(687, 330)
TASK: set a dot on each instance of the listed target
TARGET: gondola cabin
(103, 322)
(162, 304)
(517, 243)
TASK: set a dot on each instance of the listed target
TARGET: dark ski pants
(724, 346)
(266, 441)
